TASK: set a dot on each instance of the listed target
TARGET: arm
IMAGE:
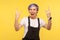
(48, 25)
(16, 24)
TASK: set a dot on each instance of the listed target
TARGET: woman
(32, 24)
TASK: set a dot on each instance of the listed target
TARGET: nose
(32, 10)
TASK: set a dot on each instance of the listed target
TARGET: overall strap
(28, 21)
(38, 23)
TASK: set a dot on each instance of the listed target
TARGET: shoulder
(40, 19)
(23, 20)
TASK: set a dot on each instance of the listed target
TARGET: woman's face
(33, 11)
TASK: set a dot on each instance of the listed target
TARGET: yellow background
(7, 18)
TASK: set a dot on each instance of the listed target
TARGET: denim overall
(33, 33)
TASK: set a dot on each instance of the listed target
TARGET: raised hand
(48, 13)
(16, 24)
(17, 14)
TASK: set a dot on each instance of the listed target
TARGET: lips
(32, 14)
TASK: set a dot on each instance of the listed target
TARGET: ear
(37, 11)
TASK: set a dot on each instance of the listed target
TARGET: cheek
(35, 11)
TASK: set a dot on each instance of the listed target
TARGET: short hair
(33, 5)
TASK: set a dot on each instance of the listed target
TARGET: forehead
(33, 7)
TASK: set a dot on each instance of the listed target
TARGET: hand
(17, 14)
(48, 13)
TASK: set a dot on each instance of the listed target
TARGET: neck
(33, 17)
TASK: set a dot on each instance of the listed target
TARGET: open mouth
(32, 14)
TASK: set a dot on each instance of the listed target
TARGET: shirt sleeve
(42, 23)
(22, 22)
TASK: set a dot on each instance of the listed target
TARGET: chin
(33, 16)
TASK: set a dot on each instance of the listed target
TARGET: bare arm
(48, 25)
(16, 24)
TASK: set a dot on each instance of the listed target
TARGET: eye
(30, 9)
(34, 9)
